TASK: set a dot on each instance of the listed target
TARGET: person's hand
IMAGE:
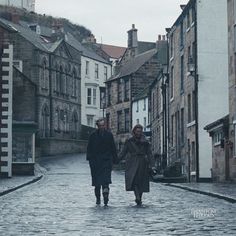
(154, 171)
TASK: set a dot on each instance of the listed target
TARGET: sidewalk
(226, 191)
(17, 182)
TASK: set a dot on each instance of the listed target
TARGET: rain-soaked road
(62, 203)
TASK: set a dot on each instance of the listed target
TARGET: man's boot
(98, 195)
(105, 193)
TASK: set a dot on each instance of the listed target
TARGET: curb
(21, 186)
(216, 195)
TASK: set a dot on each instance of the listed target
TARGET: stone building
(232, 83)
(198, 91)
(138, 68)
(54, 67)
(221, 149)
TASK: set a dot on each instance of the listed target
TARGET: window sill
(193, 23)
(216, 144)
(188, 29)
(191, 124)
(172, 58)
(172, 99)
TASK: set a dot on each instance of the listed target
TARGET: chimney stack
(133, 37)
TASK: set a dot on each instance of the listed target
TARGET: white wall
(89, 81)
(141, 113)
(212, 37)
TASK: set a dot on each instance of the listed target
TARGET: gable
(62, 51)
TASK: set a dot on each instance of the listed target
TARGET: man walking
(101, 154)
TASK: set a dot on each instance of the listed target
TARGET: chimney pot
(163, 37)
(159, 37)
(133, 26)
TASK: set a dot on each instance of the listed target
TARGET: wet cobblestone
(62, 203)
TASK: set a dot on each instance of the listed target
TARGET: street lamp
(193, 72)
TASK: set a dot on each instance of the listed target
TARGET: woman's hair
(138, 126)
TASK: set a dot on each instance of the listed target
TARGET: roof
(113, 51)
(142, 94)
(216, 123)
(134, 64)
(73, 42)
(26, 33)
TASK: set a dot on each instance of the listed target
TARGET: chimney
(15, 17)
(133, 37)
(159, 37)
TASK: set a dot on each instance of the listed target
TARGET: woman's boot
(97, 192)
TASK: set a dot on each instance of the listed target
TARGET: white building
(140, 114)
(94, 72)
(29, 5)
(212, 70)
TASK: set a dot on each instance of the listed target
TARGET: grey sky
(109, 20)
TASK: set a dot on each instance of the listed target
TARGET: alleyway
(62, 203)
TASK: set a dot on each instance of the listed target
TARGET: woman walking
(139, 160)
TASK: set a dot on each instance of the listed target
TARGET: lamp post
(193, 72)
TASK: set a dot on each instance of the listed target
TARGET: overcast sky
(109, 20)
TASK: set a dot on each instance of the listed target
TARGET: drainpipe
(196, 97)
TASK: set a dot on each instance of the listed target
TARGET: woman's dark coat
(101, 153)
(138, 160)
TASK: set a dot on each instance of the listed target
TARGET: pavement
(62, 203)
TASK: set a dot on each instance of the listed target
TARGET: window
(218, 136)
(57, 121)
(74, 84)
(193, 156)
(96, 70)
(189, 53)
(234, 139)
(87, 68)
(119, 121)
(193, 51)
(102, 98)
(44, 75)
(144, 104)
(153, 105)
(172, 82)
(189, 108)
(193, 14)
(193, 106)
(89, 96)
(181, 35)
(127, 119)
(171, 45)
(137, 106)
(172, 130)
(182, 126)
(90, 120)
(62, 83)
(126, 89)
(234, 38)
(119, 89)
(157, 103)
(109, 94)
(182, 75)
(105, 73)
(94, 96)
(66, 82)
(188, 20)
(145, 123)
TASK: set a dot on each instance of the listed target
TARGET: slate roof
(72, 41)
(214, 124)
(113, 51)
(142, 94)
(134, 64)
(26, 33)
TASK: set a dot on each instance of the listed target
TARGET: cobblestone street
(63, 203)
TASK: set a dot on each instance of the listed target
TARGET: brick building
(138, 68)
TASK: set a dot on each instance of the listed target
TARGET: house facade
(232, 83)
(135, 71)
(197, 84)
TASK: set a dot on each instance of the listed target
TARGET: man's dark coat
(101, 153)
